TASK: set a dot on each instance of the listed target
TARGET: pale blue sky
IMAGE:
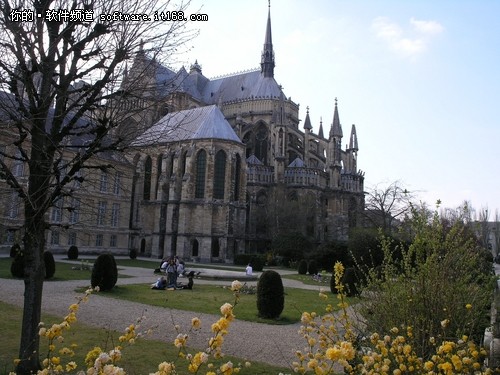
(420, 79)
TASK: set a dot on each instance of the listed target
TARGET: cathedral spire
(353, 141)
(267, 58)
(307, 122)
(336, 129)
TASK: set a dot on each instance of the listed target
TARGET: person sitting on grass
(160, 284)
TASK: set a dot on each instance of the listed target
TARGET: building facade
(216, 167)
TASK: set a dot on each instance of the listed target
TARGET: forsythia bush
(333, 347)
(100, 362)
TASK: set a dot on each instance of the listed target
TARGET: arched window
(183, 163)
(159, 167)
(215, 247)
(237, 176)
(201, 166)
(196, 246)
(148, 165)
(261, 143)
(219, 174)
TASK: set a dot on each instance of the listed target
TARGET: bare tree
(60, 71)
(496, 233)
(483, 226)
(387, 203)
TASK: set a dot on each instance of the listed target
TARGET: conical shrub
(50, 264)
(104, 272)
(270, 295)
(73, 252)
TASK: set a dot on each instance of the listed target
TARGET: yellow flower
(444, 323)
(236, 286)
(226, 309)
(468, 306)
(196, 323)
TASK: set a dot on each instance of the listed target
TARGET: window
(201, 163)
(116, 185)
(101, 213)
(18, 167)
(98, 240)
(104, 182)
(237, 176)
(56, 215)
(14, 206)
(219, 174)
(112, 240)
(115, 213)
(195, 249)
(10, 236)
(74, 214)
(148, 166)
(54, 237)
(72, 238)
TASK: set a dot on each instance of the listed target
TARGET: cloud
(427, 27)
(411, 42)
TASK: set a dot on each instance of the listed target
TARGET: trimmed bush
(256, 260)
(73, 252)
(50, 264)
(104, 272)
(350, 280)
(132, 253)
(17, 266)
(270, 295)
(312, 267)
(302, 268)
(15, 250)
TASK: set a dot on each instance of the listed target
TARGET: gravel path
(272, 344)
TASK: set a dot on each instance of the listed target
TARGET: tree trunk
(34, 271)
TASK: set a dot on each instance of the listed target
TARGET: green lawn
(209, 298)
(64, 271)
(134, 361)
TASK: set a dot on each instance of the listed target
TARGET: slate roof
(241, 86)
(297, 163)
(197, 123)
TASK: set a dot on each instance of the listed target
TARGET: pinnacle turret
(267, 58)
(336, 129)
(307, 121)
(353, 141)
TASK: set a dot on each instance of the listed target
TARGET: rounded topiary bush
(350, 281)
(15, 250)
(312, 267)
(132, 253)
(73, 252)
(302, 268)
(270, 295)
(17, 266)
(104, 272)
(50, 264)
(258, 262)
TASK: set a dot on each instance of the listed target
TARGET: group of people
(173, 268)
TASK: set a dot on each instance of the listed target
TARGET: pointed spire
(267, 58)
(353, 141)
(307, 122)
(336, 129)
(320, 133)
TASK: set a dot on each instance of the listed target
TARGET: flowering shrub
(101, 362)
(333, 346)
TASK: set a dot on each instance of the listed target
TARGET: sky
(419, 79)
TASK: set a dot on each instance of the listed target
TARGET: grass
(134, 361)
(209, 298)
(64, 271)
(308, 279)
